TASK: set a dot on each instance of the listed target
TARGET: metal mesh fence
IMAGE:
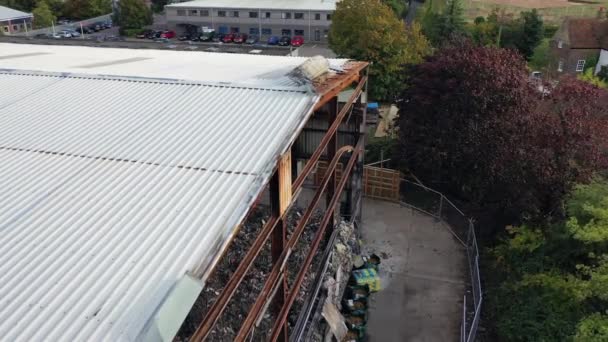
(435, 204)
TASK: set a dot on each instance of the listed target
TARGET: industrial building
(13, 21)
(264, 18)
(126, 174)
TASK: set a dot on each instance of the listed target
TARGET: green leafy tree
(21, 5)
(398, 6)
(133, 14)
(596, 80)
(43, 17)
(369, 30)
(552, 282)
(445, 25)
(83, 9)
(532, 33)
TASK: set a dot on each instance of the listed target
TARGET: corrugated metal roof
(321, 5)
(113, 188)
(7, 13)
(237, 69)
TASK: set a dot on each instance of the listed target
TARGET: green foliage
(159, 5)
(43, 16)
(441, 27)
(593, 328)
(541, 56)
(560, 298)
(131, 32)
(523, 34)
(398, 7)
(83, 9)
(369, 30)
(589, 77)
(549, 30)
(377, 149)
(21, 5)
(133, 14)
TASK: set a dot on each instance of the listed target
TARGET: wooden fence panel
(378, 182)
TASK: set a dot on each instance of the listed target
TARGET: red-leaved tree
(472, 124)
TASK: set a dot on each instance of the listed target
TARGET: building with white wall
(307, 18)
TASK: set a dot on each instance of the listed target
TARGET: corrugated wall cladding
(112, 190)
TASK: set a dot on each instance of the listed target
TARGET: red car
(297, 41)
(240, 38)
(229, 38)
(167, 34)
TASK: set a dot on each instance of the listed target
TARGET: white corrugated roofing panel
(254, 70)
(320, 5)
(113, 189)
(7, 13)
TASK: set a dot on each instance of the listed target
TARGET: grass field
(553, 11)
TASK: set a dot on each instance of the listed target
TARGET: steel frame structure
(276, 287)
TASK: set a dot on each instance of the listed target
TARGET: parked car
(229, 38)
(167, 34)
(100, 25)
(218, 37)
(240, 38)
(273, 40)
(251, 40)
(43, 36)
(297, 41)
(63, 21)
(85, 30)
(207, 35)
(108, 24)
(73, 33)
(285, 41)
(144, 34)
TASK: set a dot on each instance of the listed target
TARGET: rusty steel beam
(327, 218)
(222, 301)
(278, 267)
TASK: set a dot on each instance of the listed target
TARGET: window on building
(286, 15)
(234, 30)
(223, 29)
(267, 15)
(221, 13)
(181, 13)
(329, 17)
(193, 12)
(254, 30)
(204, 13)
(298, 15)
(317, 16)
(560, 44)
(235, 14)
(560, 66)
(580, 65)
(253, 14)
(298, 32)
(15, 27)
(286, 32)
(266, 31)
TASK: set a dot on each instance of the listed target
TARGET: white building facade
(310, 19)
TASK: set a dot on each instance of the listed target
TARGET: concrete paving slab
(422, 273)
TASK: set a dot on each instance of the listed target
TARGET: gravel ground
(236, 311)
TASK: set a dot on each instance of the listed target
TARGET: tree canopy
(83, 9)
(476, 128)
(369, 30)
(442, 26)
(133, 14)
(43, 16)
(553, 280)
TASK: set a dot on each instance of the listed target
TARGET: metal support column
(332, 147)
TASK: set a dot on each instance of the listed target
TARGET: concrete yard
(422, 273)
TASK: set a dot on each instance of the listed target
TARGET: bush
(129, 32)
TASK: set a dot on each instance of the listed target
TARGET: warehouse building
(13, 21)
(126, 174)
(264, 18)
